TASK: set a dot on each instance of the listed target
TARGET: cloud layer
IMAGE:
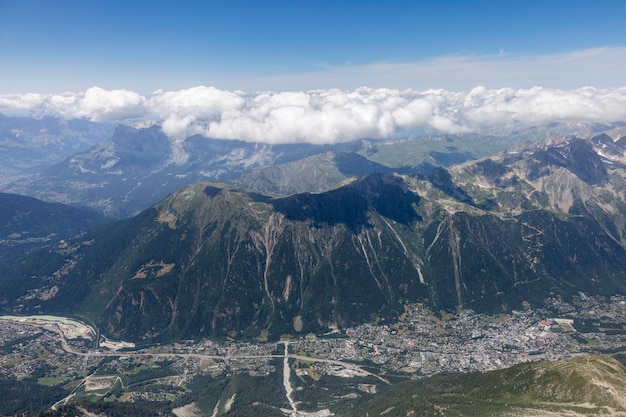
(326, 116)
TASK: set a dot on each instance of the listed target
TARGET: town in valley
(419, 343)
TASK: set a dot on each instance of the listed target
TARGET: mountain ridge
(581, 386)
(217, 259)
(27, 224)
(139, 166)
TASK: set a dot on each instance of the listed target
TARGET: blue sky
(66, 45)
(315, 71)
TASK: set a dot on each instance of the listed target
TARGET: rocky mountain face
(29, 145)
(213, 259)
(109, 173)
(139, 166)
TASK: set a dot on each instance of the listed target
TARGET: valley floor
(353, 364)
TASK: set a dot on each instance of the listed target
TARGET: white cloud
(327, 116)
(102, 105)
(96, 104)
(20, 103)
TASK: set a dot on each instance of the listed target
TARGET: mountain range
(138, 166)
(540, 220)
(29, 145)
(169, 239)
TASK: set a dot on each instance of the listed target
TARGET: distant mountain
(422, 153)
(523, 132)
(27, 224)
(567, 177)
(137, 167)
(212, 259)
(313, 174)
(30, 145)
(582, 386)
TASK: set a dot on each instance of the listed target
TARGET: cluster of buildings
(419, 344)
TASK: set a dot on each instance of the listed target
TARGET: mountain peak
(387, 194)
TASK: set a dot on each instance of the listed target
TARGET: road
(285, 356)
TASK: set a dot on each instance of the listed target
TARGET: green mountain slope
(27, 224)
(313, 174)
(214, 260)
(582, 386)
